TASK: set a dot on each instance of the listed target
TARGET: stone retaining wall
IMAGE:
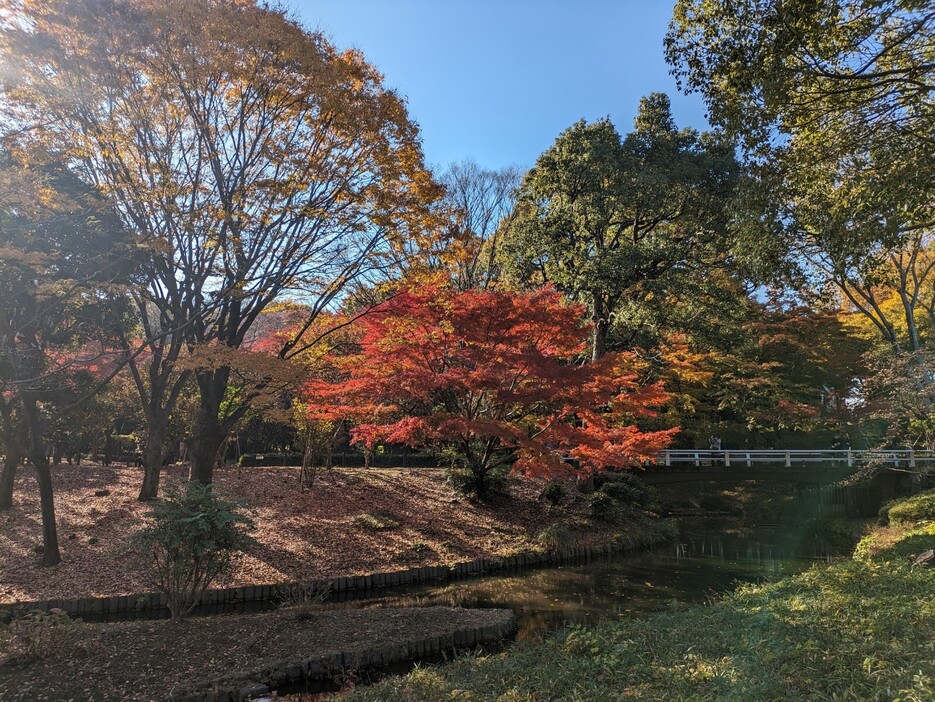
(344, 584)
(259, 683)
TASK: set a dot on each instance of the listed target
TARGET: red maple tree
(495, 376)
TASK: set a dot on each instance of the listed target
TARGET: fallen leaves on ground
(314, 534)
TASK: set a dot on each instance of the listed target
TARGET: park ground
(859, 629)
(352, 522)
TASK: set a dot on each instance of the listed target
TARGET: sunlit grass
(861, 629)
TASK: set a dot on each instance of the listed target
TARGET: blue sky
(498, 80)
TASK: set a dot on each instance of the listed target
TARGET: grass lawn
(861, 629)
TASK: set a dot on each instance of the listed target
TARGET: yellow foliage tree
(253, 161)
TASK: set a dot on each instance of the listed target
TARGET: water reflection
(708, 559)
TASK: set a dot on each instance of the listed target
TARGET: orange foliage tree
(492, 376)
(252, 160)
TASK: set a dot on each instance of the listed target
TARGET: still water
(711, 557)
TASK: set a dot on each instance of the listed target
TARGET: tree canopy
(610, 220)
(250, 158)
(493, 375)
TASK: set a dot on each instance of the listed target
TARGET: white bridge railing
(906, 458)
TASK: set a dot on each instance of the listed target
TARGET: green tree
(64, 258)
(613, 222)
(834, 104)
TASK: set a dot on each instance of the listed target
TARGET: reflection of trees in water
(710, 558)
(552, 597)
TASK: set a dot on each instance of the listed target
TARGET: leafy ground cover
(148, 660)
(354, 521)
(860, 629)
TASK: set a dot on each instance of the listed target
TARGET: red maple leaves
(492, 374)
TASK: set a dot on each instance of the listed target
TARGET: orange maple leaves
(497, 371)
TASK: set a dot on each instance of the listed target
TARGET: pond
(763, 532)
(711, 557)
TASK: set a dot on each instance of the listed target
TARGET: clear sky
(498, 80)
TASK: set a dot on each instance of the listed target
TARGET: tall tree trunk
(8, 475)
(599, 333)
(206, 444)
(152, 458)
(40, 463)
(209, 433)
(13, 456)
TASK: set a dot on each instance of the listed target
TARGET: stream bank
(859, 628)
(237, 656)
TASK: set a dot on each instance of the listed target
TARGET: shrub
(36, 634)
(555, 537)
(487, 485)
(603, 508)
(554, 493)
(837, 533)
(251, 460)
(911, 510)
(627, 489)
(190, 543)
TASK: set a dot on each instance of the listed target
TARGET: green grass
(555, 537)
(912, 510)
(861, 629)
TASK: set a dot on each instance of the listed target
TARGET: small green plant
(485, 485)
(191, 542)
(376, 521)
(555, 537)
(554, 493)
(627, 489)
(603, 508)
(35, 634)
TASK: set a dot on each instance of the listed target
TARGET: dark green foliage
(613, 221)
(483, 484)
(626, 488)
(603, 508)
(838, 533)
(191, 541)
(554, 493)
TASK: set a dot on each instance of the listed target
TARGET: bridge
(786, 465)
(788, 458)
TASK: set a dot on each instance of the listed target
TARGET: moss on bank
(861, 629)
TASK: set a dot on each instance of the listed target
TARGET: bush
(911, 510)
(603, 508)
(305, 599)
(627, 489)
(492, 484)
(191, 542)
(555, 537)
(554, 493)
(38, 634)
